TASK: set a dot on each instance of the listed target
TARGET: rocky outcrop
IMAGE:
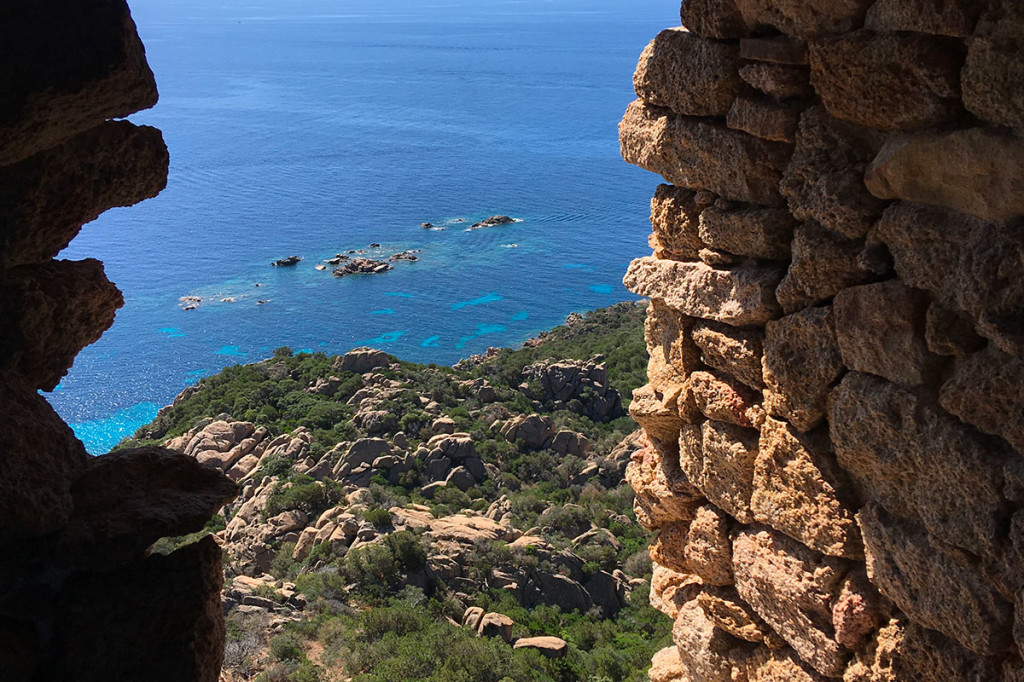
(833, 411)
(82, 598)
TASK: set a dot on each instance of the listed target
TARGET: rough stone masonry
(835, 409)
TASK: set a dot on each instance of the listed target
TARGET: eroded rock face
(857, 435)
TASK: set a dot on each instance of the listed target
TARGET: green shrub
(378, 517)
(285, 647)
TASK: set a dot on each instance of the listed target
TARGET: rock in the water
(362, 266)
(286, 262)
(493, 221)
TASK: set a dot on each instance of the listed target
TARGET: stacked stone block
(79, 597)
(835, 408)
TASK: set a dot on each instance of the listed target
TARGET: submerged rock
(493, 221)
(285, 262)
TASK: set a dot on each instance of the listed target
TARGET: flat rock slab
(739, 296)
(733, 350)
(701, 154)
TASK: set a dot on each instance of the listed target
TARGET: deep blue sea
(315, 127)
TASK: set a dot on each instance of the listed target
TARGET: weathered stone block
(825, 178)
(987, 390)
(733, 350)
(823, 265)
(730, 613)
(962, 260)
(726, 467)
(666, 666)
(764, 118)
(800, 490)
(781, 81)
(721, 398)
(673, 353)
(671, 589)
(663, 492)
(935, 584)
(157, 619)
(675, 216)
(767, 665)
(792, 588)
(688, 74)
(881, 330)
(35, 483)
(656, 411)
(950, 331)
(705, 650)
(775, 50)
(747, 230)
(801, 362)
(978, 171)
(995, 65)
(669, 548)
(708, 549)
(52, 311)
(700, 154)
(804, 18)
(45, 199)
(888, 81)
(954, 18)
(740, 296)
(857, 610)
(719, 19)
(78, 65)
(918, 462)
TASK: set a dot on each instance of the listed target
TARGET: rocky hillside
(408, 522)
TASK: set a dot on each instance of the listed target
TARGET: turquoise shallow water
(315, 127)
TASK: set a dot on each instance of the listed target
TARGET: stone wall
(79, 597)
(835, 408)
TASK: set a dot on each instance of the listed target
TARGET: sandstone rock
(824, 181)
(719, 19)
(949, 331)
(127, 500)
(905, 453)
(935, 584)
(443, 425)
(657, 413)
(791, 588)
(880, 328)
(939, 17)
(963, 262)
(724, 467)
(747, 230)
(783, 665)
(44, 200)
(673, 354)
(52, 311)
(699, 154)
(707, 548)
(987, 390)
(688, 74)
(737, 352)
(471, 618)
(675, 212)
(668, 549)
(671, 589)
(663, 492)
(704, 649)
(362, 361)
(35, 482)
(666, 666)
(775, 50)
(800, 490)
(856, 611)
(496, 625)
(158, 618)
(823, 265)
(724, 399)
(730, 613)
(978, 171)
(92, 69)
(995, 66)
(854, 74)
(801, 362)
(549, 647)
(764, 118)
(740, 296)
(781, 81)
(804, 18)
(460, 478)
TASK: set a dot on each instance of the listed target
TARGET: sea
(319, 127)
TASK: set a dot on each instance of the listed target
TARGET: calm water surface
(314, 127)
